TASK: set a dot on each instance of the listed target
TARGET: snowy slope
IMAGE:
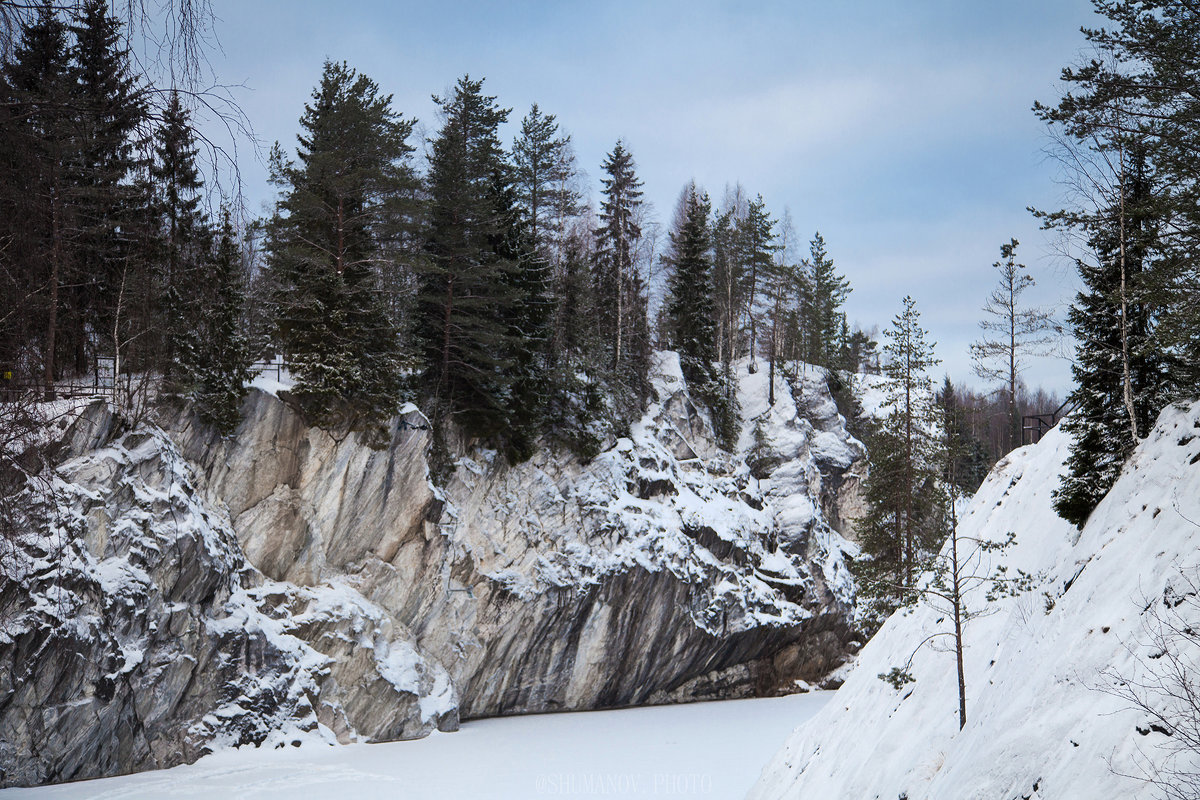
(1039, 723)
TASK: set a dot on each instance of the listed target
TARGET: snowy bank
(1040, 723)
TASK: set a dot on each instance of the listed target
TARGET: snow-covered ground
(710, 750)
(1040, 723)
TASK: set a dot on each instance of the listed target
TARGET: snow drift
(1042, 719)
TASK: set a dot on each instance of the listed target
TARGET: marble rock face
(290, 582)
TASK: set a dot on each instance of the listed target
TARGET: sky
(901, 131)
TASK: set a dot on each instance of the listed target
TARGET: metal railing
(1035, 426)
(12, 391)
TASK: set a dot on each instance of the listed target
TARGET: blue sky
(901, 131)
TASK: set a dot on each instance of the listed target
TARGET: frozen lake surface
(712, 750)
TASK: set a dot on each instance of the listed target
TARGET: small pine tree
(825, 293)
(756, 235)
(904, 491)
(1012, 332)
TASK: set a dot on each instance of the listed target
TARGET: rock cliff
(286, 583)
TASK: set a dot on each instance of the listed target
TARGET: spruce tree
(575, 403)
(469, 301)
(176, 183)
(110, 107)
(621, 301)
(528, 283)
(691, 327)
(220, 354)
(1118, 363)
(325, 252)
(903, 525)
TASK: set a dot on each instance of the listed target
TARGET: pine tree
(470, 299)
(543, 175)
(690, 322)
(728, 283)
(1012, 332)
(325, 252)
(904, 492)
(1138, 92)
(756, 232)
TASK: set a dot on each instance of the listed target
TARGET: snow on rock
(660, 570)
(1039, 724)
(133, 634)
(291, 583)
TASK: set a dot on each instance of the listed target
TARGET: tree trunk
(56, 252)
(1126, 380)
(956, 595)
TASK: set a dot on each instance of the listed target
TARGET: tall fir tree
(110, 109)
(620, 292)
(904, 522)
(39, 80)
(177, 187)
(691, 326)
(1122, 377)
(219, 355)
(325, 252)
(469, 296)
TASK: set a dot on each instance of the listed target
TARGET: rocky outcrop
(135, 635)
(329, 589)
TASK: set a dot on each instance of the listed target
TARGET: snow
(712, 750)
(666, 497)
(1040, 723)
